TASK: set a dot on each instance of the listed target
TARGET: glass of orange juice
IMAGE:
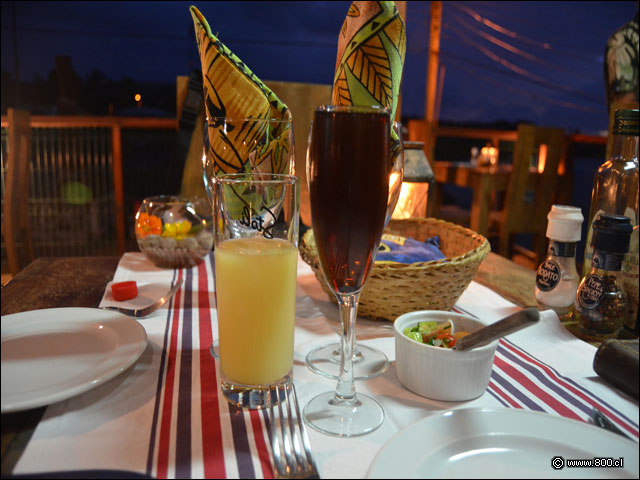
(256, 255)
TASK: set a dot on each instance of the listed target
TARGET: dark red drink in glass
(349, 187)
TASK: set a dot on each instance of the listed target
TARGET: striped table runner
(520, 380)
(166, 416)
(195, 431)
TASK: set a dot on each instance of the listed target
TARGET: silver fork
(292, 456)
(143, 312)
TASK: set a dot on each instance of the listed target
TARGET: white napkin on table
(153, 282)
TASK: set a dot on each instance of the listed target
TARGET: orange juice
(256, 296)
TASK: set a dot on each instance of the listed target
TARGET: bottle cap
(611, 233)
(564, 224)
(625, 122)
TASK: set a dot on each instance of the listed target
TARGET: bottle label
(588, 249)
(548, 275)
(607, 261)
(630, 270)
(562, 249)
(591, 292)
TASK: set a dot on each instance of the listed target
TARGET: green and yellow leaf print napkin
(371, 49)
(232, 90)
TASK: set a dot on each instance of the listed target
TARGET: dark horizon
(540, 62)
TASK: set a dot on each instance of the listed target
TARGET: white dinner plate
(509, 443)
(53, 354)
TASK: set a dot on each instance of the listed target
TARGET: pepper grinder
(601, 304)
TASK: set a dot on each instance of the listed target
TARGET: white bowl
(442, 373)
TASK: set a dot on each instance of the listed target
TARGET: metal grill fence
(72, 196)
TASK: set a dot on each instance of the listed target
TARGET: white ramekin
(442, 373)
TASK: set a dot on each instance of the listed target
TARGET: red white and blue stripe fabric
(520, 380)
(195, 432)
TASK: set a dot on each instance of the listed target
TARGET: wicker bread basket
(394, 289)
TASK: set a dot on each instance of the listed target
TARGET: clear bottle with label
(601, 304)
(557, 278)
(630, 284)
(615, 186)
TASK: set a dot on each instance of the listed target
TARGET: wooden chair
(530, 193)
(302, 98)
(16, 198)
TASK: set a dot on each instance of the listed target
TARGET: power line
(575, 52)
(463, 63)
(523, 72)
(493, 69)
(515, 50)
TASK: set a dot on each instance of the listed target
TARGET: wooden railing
(116, 124)
(417, 131)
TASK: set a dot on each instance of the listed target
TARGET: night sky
(539, 61)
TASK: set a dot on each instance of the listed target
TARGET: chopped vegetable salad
(435, 334)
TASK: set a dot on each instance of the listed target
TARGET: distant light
(542, 157)
(137, 97)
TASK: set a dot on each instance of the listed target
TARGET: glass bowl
(173, 231)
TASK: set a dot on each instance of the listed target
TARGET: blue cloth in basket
(397, 249)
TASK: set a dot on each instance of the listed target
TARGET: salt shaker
(557, 278)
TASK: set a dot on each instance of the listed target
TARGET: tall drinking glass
(349, 186)
(236, 144)
(246, 145)
(256, 255)
(368, 362)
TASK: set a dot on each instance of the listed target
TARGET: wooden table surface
(80, 282)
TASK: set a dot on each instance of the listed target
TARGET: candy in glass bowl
(173, 231)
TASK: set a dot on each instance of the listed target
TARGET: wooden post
(118, 189)
(402, 9)
(436, 114)
(16, 198)
(432, 74)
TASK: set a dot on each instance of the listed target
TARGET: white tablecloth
(165, 417)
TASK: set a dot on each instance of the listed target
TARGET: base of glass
(368, 362)
(328, 414)
(254, 397)
(214, 350)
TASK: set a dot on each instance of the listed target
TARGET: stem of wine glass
(345, 390)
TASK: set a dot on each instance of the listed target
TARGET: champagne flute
(349, 186)
(368, 362)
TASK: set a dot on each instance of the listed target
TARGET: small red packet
(124, 290)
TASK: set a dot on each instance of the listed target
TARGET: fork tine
(275, 442)
(287, 430)
(295, 441)
(289, 442)
(308, 457)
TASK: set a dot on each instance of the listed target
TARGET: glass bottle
(615, 186)
(630, 284)
(601, 304)
(557, 278)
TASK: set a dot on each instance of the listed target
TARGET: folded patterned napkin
(233, 91)
(371, 50)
